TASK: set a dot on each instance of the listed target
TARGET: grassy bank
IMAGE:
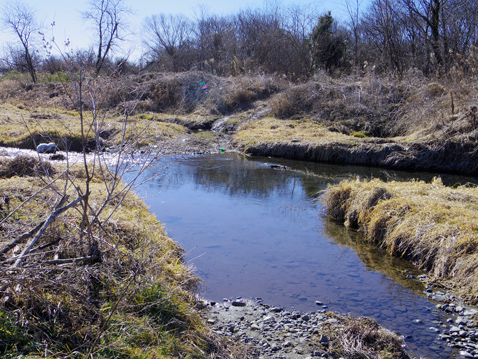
(122, 290)
(411, 122)
(308, 141)
(432, 225)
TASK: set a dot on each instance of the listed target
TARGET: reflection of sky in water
(253, 231)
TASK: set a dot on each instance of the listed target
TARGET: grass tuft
(364, 338)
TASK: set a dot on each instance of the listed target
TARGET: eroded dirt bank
(449, 157)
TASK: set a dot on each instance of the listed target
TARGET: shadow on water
(256, 231)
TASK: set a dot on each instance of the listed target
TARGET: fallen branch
(58, 210)
(21, 238)
(90, 259)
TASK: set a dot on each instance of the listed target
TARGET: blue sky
(69, 25)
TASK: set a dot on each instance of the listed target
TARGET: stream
(252, 228)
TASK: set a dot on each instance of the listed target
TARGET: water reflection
(255, 231)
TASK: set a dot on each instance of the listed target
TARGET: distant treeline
(434, 37)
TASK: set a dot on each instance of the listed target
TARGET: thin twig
(71, 260)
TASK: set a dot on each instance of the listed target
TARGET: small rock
(276, 348)
(439, 297)
(238, 303)
(324, 340)
(276, 309)
(461, 320)
(254, 326)
(469, 312)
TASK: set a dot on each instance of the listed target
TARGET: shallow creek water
(255, 231)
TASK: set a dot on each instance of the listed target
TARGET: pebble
(238, 303)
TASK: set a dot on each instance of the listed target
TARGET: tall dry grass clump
(364, 338)
(433, 225)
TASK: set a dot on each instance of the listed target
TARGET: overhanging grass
(433, 225)
(362, 338)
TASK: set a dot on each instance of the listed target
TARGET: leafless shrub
(90, 250)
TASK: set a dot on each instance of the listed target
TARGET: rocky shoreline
(272, 332)
(460, 330)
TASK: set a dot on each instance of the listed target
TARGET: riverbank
(412, 123)
(348, 122)
(430, 224)
(114, 286)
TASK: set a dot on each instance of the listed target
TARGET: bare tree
(385, 32)
(353, 9)
(429, 14)
(108, 17)
(299, 22)
(167, 35)
(215, 43)
(21, 20)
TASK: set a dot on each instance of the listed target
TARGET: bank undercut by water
(432, 225)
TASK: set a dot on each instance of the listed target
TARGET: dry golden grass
(433, 225)
(363, 338)
(24, 127)
(270, 130)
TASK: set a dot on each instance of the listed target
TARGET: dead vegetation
(402, 122)
(123, 291)
(430, 224)
(85, 269)
(363, 338)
